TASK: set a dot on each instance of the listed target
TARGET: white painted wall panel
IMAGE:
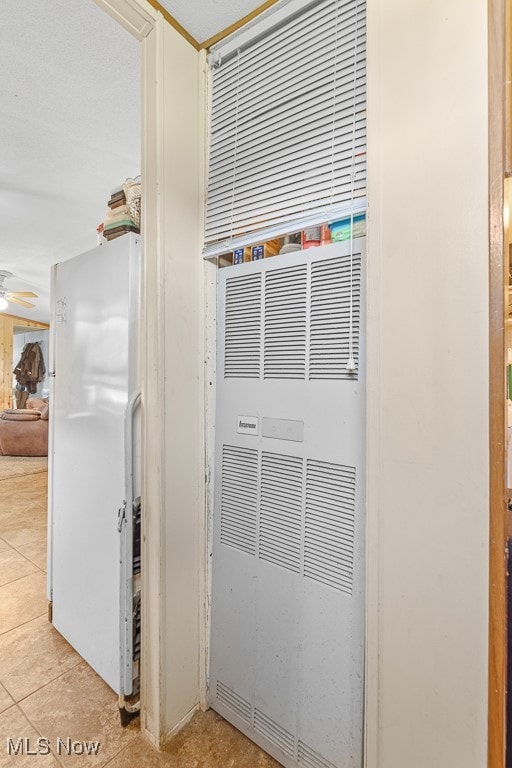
(428, 384)
(184, 463)
(173, 384)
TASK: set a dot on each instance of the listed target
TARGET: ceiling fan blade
(21, 302)
(28, 294)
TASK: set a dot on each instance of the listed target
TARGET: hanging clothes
(21, 395)
(30, 369)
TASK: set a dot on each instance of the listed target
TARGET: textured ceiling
(69, 133)
(204, 19)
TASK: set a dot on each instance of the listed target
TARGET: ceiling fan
(13, 297)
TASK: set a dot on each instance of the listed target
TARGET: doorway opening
(70, 116)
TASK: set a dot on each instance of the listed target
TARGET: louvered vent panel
(281, 510)
(329, 524)
(309, 758)
(285, 323)
(239, 498)
(275, 733)
(330, 317)
(234, 702)
(243, 327)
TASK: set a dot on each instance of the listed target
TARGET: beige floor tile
(22, 486)
(13, 499)
(79, 705)
(15, 483)
(5, 703)
(22, 601)
(21, 505)
(208, 741)
(140, 754)
(36, 551)
(35, 496)
(24, 514)
(4, 545)
(13, 566)
(46, 656)
(24, 534)
(15, 506)
(14, 725)
(42, 507)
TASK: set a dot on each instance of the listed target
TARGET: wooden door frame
(497, 389)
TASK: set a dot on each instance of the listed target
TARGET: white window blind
(288, 127)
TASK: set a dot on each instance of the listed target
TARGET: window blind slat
(281, 174)
(296, 209)
(321, 14)
(300, 88)
(318, 112)
(288, 125)
(316, 56)
(295, 222)
(284, 132)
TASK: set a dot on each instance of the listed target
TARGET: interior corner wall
(184, 444)
(428, 399)
(173, 383)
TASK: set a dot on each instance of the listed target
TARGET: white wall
(174, 568)
(428, 401)
(184, 377)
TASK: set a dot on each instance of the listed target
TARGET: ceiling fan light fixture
(3, 303)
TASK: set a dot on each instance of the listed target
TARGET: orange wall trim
(172, 21)
(220, 35)
(497, 389)
(233, 28)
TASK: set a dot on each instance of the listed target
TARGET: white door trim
(136, 16)
(174, 589)
(140, 19)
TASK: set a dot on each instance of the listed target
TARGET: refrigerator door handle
(126, 530)
(121, 516)
(131, 407)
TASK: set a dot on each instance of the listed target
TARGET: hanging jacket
(30, 369)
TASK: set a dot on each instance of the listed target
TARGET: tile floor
(47, 690)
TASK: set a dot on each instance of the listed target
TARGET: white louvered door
(288, 531)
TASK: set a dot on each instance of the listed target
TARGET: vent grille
(281, 510)
(243, 327)
(234, 702)
(239, 498)
(285, 323)
(275, 733)
(329, 526)
(308, 758)
(330, 317)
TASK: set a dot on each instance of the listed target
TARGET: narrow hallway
(47, 690)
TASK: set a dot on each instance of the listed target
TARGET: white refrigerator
(94, 517)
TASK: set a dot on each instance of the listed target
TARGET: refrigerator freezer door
(95, 326)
